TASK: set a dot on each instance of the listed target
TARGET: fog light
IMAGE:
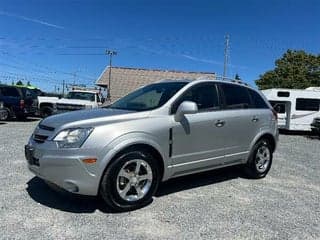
(71, 187)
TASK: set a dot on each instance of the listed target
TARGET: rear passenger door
(241, 121)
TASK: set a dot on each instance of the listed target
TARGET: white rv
(296, 107)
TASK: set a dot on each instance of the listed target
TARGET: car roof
(235, 82)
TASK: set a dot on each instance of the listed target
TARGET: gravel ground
(219, 204)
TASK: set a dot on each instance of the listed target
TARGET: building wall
(125, 80)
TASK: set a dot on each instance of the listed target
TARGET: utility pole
(226, 56)
(63, 87)
(111, 53)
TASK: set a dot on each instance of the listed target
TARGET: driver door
(198, 141)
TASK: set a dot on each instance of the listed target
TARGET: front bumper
(63, 167)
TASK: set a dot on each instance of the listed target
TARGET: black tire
(6, 115)
(108, 185)
(251, 168)
(46, 111)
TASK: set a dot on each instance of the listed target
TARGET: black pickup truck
(18, 102)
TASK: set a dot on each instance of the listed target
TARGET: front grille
(39, 138)
(69, 107)
(43, 127)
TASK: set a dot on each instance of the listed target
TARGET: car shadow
(199, 179)
(41, 193)
(306, 134)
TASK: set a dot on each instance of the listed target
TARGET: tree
(19, 83)
(295, 69)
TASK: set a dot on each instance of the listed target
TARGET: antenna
(226, 55)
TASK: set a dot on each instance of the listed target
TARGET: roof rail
(221, 78)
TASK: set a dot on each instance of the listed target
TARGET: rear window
(236, 97)
(257, 100)
(307, 104)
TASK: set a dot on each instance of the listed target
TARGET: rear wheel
(130, 181)
(260, 159)
(5, 115)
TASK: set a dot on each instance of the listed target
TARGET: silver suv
(160, 131)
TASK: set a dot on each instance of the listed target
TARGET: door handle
(220, 123)
(255, 119)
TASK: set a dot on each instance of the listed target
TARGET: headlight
(73, 137)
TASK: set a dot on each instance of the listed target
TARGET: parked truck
(75, 100)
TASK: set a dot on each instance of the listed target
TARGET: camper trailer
(296, 107)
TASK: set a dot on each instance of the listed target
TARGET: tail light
(21, 104)
(275, 114)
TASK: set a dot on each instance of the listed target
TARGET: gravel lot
(219, 204)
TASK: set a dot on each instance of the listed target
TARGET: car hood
(90, 117)
(74, 101)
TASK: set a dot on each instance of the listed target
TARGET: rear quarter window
(257, 100)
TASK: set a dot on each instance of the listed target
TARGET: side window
(10, 92)
(205, 95)
(236, 97)
(307, 104)
(257, 100)
(283, 94)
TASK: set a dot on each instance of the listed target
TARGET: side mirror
(186, 107)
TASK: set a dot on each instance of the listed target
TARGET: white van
(296, 107)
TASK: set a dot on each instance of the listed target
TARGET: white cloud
(31, 20)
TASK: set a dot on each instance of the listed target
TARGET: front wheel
(130, 181)
(260, 159)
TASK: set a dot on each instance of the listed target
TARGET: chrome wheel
(134, 180)
(263, 158)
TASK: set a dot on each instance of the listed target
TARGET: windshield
(81, 96)
(148, 97)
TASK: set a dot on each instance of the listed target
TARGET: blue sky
(48, 41)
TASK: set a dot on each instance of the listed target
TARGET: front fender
(127, 140)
